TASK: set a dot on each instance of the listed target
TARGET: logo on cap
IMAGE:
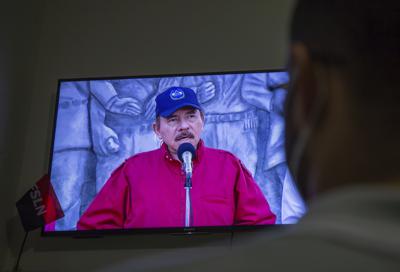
(177, 94)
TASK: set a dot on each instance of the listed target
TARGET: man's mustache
(184, 135)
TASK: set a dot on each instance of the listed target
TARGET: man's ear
(303, 83)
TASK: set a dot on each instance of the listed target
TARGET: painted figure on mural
(80, 136)
(129, 129)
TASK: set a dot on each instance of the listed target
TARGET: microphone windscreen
(186, 147)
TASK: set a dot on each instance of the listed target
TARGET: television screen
(107, 161)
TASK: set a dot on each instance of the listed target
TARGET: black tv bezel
(162, 230)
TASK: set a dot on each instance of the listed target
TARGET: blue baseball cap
(174, 98)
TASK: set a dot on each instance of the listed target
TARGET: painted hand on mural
(112, 144)
(105, 141)
(125, 105)
(205, 92)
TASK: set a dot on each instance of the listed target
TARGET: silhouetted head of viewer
(343, 107)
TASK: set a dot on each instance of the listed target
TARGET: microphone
(186, 153)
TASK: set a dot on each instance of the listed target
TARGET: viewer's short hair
(359, 38)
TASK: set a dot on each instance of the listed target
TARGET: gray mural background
(100, 123)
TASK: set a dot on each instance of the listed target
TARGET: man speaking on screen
(149, 190)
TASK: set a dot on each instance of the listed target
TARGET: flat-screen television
(112, 172)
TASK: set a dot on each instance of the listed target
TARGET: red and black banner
(39, 206)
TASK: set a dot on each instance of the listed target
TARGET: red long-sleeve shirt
(147, 191)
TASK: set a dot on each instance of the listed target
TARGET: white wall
(72, 39)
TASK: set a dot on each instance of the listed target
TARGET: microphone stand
(186, 152)
(188, 209)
